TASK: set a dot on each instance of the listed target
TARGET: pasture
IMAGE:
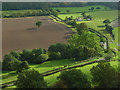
(97, 22)
(22, 33)
(53, 78)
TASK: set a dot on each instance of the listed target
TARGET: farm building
(79, 19)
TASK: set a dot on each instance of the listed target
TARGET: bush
(54, 55)
(6, 61)
(107, 21)
(41, 58)
(14, 64)
(30, 79)
(74, 78)
(73, 23)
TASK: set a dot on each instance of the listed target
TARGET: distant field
(79, 9)
(98, 18)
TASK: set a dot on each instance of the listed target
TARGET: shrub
(54, 55)
(6, 61)
(30, 79)
(41, 58)
(107, 21)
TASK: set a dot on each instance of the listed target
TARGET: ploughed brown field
(20, 33)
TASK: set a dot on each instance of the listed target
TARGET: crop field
(79, 9)
(22, 33)
(53, 78)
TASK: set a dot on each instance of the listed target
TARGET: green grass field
(52, 79)
(79, 9)
(97, 22)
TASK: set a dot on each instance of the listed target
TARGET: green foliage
(104, 75)
(38, 51)
(15, 64)
(23, 66)
(41, 58)
(38, 23)
(30, 79)
(16, 54)
(27, 55)
(6, 61)
(60, 48)
(83, 52)
(81, 28)
(85, 46)
(108, 57)
(107, 21)
(74, 78)
(109, 29)
(55, 13)
(73, 23)
(54, 55)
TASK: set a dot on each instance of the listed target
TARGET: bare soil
(20, 33)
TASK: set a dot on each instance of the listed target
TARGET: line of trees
(41, 12)
(109, 28)
(41, 5)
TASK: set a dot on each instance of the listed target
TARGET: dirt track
(22, 33)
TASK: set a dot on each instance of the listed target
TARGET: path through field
(22, 33)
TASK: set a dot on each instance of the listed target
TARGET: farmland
(22, 33)
(97, 22)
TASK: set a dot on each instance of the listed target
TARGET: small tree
(106, 21)
(30, 79)
(41, 58)
(38, 23)
(74, 78)
(109, 29)
(67, 10)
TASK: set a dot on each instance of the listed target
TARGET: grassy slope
(79, 9)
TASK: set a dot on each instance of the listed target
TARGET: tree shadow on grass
(101, 26)
(9, 75)
(103, 31)
(31, 29)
